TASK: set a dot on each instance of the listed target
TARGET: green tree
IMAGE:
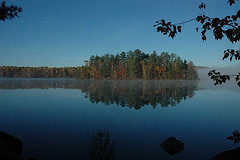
(133, 65)
(191, 71)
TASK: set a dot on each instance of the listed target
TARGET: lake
(56, 118)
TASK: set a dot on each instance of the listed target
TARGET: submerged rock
(233, 154)
(172, 145)
(10, 147)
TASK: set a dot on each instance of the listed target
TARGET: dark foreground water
(55, 118)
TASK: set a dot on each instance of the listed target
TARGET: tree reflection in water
(126, 93)
(101, 147)
(136, 94)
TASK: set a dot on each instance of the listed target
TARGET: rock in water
(233, 154)
(10, 147)
(172, 145)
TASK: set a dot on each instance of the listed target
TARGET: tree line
(39, 72)
(127, 65)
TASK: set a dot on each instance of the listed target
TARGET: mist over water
(231, 70)
(55, 118)
(124, 93)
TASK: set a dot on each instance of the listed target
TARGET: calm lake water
(55, 118)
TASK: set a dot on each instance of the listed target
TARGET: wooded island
(127, 65)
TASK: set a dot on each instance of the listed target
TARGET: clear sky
(66, 32)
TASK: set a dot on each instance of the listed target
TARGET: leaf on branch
(226, 55)
(167, 28)
(231, 2)
(235, 137)
(171, 34)
(232, 53)
(237, 78)
(198, 18)
(179, 28)
(202, 6)
(8, 12)
(228, 27)
(204, 38)
(238, 14)
(234, 17)
(203, 20)
(218, 78)
(174, 29)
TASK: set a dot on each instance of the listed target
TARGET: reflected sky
(54, 122)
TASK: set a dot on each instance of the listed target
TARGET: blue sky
(66, 32)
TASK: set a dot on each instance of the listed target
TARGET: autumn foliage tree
(138, 65)
(127, 65)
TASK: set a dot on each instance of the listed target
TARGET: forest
(127, 65)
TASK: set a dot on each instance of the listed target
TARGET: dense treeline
(125, 93)
(138, 65)
(129, 65)
(39, 72)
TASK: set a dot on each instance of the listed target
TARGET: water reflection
(101, 147)
(136, 94)
(126, 93)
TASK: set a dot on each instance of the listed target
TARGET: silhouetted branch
(231, 53)
(227, 26)
(9, 12)
(235, 137)
(220, 78)
(231, 2)
(194, 19)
